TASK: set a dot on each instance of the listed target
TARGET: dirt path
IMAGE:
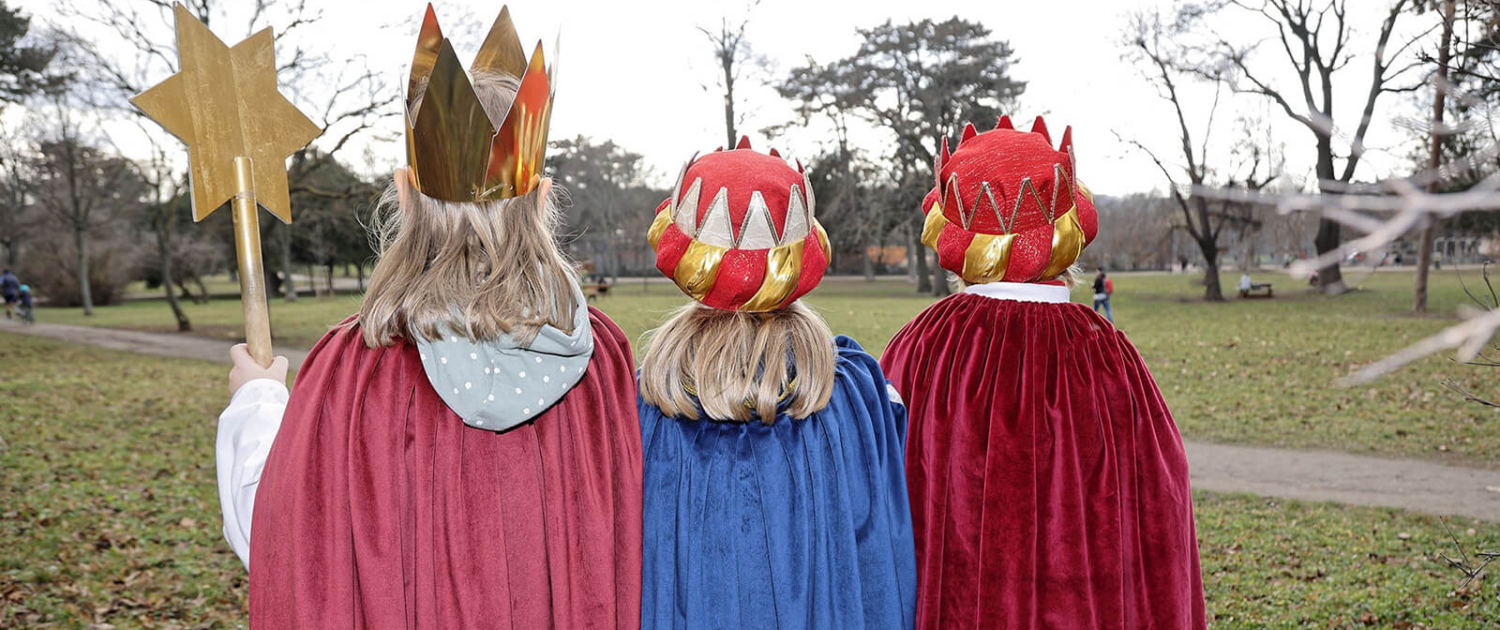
(1317, 475)
(1289, 473)
(164, 345)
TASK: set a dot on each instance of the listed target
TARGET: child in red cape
(1049, 487)
(465, 452)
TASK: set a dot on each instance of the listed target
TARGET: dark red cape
(379, 508)
(1048, 482)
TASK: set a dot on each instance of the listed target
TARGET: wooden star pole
(239, 131)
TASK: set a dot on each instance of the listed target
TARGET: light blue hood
(496, 385)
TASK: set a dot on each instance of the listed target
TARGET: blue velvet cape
(803, 524)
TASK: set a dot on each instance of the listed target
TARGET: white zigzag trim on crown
(812, 204)
(797, 224)
(677, 188)
(685, 210)
(716, 229)
(757, 232)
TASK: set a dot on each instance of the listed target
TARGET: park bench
(1257, 290)
(594, 290)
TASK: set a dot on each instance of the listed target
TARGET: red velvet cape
(379, 508)
(1048, 482)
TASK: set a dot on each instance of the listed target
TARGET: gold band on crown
(453, 151)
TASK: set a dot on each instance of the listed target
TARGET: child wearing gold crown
(1049, 486)
(465, 452)
(774, 492)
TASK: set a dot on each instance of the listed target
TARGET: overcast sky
(635, 72)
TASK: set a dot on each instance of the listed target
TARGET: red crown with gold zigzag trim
(1008, 207)
(739, 232)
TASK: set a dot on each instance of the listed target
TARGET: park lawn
(109, 515)
(1244, 371)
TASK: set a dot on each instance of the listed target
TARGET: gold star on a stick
(224, 104)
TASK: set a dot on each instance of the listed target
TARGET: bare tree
(1315, 38)
(731, 53)
(1135, 232)
(17, 212)
(1435, 156)
(79, 185)
(165, 188)
(1153, 42)
(920, 81)
(847, 193)
(347, 98)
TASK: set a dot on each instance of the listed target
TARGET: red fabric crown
(739, 231)
(1008, 207)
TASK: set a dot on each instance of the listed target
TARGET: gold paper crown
(453, 151)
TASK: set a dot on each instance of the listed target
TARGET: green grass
(109, 515)
(1287, 564)
(1244, 371)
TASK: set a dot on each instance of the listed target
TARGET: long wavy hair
(739, 366)
(480, 269)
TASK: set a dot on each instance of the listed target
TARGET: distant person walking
(1103, 289)
(28, 315)
(10, 289)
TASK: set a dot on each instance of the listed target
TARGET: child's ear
(543, 190)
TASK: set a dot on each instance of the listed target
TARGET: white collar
(1022, 291)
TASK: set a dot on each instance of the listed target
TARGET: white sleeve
(246, 429)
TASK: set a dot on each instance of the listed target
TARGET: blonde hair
(482, 269)
(739, 365)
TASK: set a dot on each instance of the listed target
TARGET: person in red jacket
(464, 452)
(1049, 486)
(1104, 288)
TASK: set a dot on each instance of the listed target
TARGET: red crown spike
(1004, 123)
(969, 132)
(774, 153)
(799, 167)
(1040, 127)
(744, 143)
(1067, 141)
(945, 153)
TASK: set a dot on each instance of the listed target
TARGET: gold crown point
(501, 52)
(454, 152)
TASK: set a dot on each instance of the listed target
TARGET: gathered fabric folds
(1049, 486)
(800, 524)
(379, 508)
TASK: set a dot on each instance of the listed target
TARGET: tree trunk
(728, 61)
(939, 279)
(911, 258)
(164, 249)
(288, 285)
(81, 241)
(924, 280)
(1212, 291)
(870, 264)
(331, 291)
(359, 269)
(202, 289)
(1330, 278)
(12, 255)
(1424, 253)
